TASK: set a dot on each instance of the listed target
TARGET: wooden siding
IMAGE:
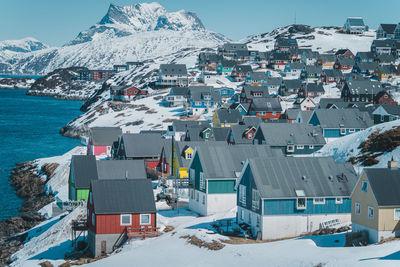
(288, 207)
(196, 165)
(82, 194)
(111, 223)
(248, 181)
(221, 186)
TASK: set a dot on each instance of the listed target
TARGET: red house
(101, 139)
(127, 93)
(344, 64)
(240, 72)
(266, 108)
(384, 98)
(344, 53)
(119, 208)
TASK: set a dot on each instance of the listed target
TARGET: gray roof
(388, 28)
(391, 109)
(292, 113)
(142, 145)
(344, 61)
(181, 146)
(221, 161)
(212, 57)
(385, 58)
(194, 133)
(313, 69)
(228, 63)
(383, 43)
(220, 133)
(274, 81)
(286, 42)
(258, 76)
(356, 21)
(238, 132)
(305, 115)
(251, 120)
(243, 68)
(314, 87)
(279, 56)
(292, 84)
(249, 90)
(85, 170)
(365, 55)
(343, 118)
(385, 185)
(283, 134)
(123, 196)
(327, 103)
(327, 57)
(388, 69)
(121, 169)
(182, 125)
(105, 136)
(333, 73)
(234, 46)
(364, 66)
(229, 115)
(296, 65)
(268, 104)
(311, 54)
(366, 86)
(197, 93)
(173, 69)
(183, 91)
(316, 176)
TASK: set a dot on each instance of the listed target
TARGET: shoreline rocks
(55, 95)
(28, 185)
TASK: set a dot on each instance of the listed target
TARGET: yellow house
(182, 156)
(226, 117)
(376, 202)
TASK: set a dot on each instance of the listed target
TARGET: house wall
(111, 223)
(386, 221)
(95, 241)
(365, 199)
(101, 150)
(373, 234)
(221, 186)
(269, 115)
(217, 203)
(82, 194)
(196, 203)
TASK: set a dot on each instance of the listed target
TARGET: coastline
(29, 185)
(55, 96)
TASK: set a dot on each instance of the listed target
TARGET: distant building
(385, 31)
(173, 75)
(119, 68)
(355, 25)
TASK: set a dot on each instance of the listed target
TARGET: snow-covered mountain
(321, 39)
(129, 33)
(25, 45)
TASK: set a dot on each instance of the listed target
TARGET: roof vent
(304, 177)
(330, 178)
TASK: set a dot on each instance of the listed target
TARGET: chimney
(392, 164)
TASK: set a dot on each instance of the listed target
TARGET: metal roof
(268, 104)
(220, 133)
(121, 169)
(142, 145)
(364, 87)
(343, 118)
(105, 136)
(173, 69)
(226, 115)
(84, 169)
(123, 196)
(182, 125)
(238, 133)
(385, 185)
(283, 134)
(316, 176)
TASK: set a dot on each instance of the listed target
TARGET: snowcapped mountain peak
(122, 21)
(24, 45)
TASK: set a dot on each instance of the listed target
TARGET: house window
(242, 215)
(339, 200)
(93, 220)
(91, 198)
(319, 201)
(396, 214)
(249, 218)
(364, 186)
(126, 219)
(311, 147)
(301, 203)
(290, 148)
(188, 155)
(204, 200)
(300, 147)
(255, 199)
(191, 193)
(202, 181)
(242, 194)
(197, 196)
(145, 219)
(370, 212)
(382, 118)
(357, 208)
(352, 130)
(258, 221)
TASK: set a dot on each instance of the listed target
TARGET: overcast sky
(55, 22)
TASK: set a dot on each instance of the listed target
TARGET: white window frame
(145, 214)
(300, 147)
(125, 215)
(352, 130)
(371, 214)
(255, 199)
(197, 196)
(339, 200)
(357, 208)
(189, 155)
(318, 200)
(242, 215)
(242, 194)
(204, 200)
(202, 184)
(290, 148)
(396, 218)
(342, 131)
(301, 207)
(311, 146)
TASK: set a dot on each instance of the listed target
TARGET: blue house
(202, 98)
(291, 196)
(336, 123)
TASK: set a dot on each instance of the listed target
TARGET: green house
(85, 168)
(214, 171)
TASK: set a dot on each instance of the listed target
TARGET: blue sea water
(29, 128)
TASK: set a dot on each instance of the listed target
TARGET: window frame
(301, 207)
(371, 215)
(342, 131)
(145, 214)
(319, 201)
(202, 182)
(337, 201)
(121, 219)
(357, 208)
(365, 190)
(394, 214)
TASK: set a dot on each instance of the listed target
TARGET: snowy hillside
(25, 45)
(321, 39)
(347, 147)
(129, 33)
